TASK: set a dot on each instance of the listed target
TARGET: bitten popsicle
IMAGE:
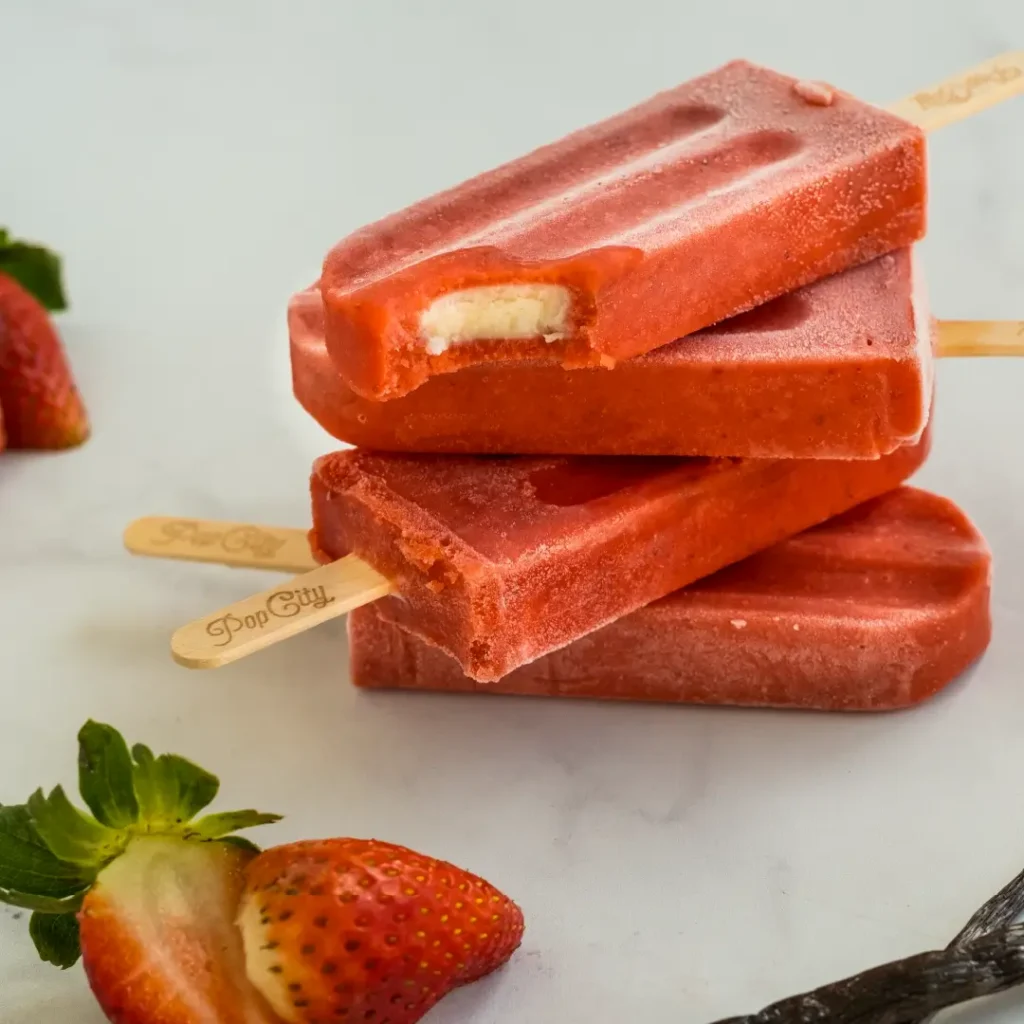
(877, 609)
(705, 201)
(501, 560)
(841, 369)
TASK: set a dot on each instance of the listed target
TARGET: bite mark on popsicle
(696, 205)
(658, 190)
(428, 557)
(534, 575)
(839, 369)
(497, 311)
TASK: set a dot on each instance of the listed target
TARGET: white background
(193, 161)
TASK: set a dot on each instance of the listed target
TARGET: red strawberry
(146, 895)
(41, 405)
(178, 921)
(159, 940)
(360, 930)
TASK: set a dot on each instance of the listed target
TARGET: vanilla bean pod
(904, 991)
(1000, 911)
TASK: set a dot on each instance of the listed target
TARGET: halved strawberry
(40, 402)
(142, 891)
(178, 921)
(360, 930)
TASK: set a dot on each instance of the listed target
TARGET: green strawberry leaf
(17, 822)
(71, 835)
(44, 904)
(36, 269)
(215, 826)
(156, 789)
(148, 792)
(105, 775)
(28, 868)
(196, 788)
(170, 790)
(57, 939)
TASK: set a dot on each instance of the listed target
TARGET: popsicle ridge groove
(544, 179)
(911, 570)
(681, 174)
(670, 126)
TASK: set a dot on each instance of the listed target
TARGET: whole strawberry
(40, 403)
(354, 929)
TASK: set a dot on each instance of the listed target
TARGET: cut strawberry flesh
(159, 940)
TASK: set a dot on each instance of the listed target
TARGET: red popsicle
(879, 608)
(705, 201)
(839, 369)
(499, 561)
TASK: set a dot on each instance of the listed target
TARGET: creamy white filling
(496, 311)
(925, 338)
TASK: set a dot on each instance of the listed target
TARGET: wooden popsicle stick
(981, 338)
(236, 544)
(305, 601)
(965, 94)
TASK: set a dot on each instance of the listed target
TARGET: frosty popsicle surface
(499, 561)
(839, 369)
(875, 610)
(703, 202)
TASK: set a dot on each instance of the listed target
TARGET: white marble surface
(193, 161)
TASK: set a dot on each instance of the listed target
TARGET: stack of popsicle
(633, 414)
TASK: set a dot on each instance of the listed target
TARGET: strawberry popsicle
(499, 561)
(705, 201)
(878, 609)
(839, 369)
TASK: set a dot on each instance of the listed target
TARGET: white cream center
(496, 311)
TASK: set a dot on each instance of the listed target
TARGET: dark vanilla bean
(1000, 911)
(905, 991)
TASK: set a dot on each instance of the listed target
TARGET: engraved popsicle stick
(236, 544)
(981, 338)
(305, 601)
(965, 94)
